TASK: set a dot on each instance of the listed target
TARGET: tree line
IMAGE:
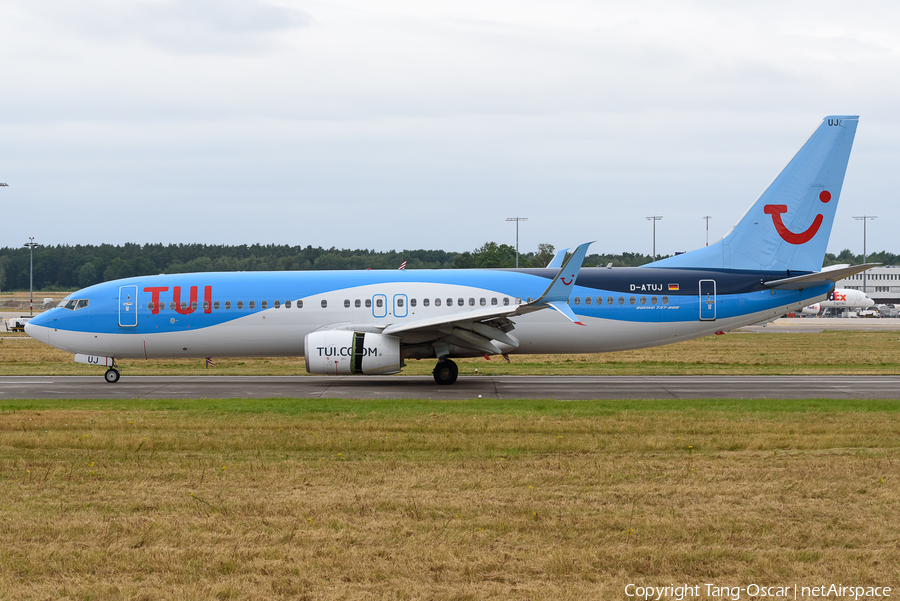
(70, 267)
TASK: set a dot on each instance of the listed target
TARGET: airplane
(841, 299)
(373, 321)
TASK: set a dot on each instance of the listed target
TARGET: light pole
(654, 219)
(31, 244)
(864, 219)
(707, 217)
(517, 220)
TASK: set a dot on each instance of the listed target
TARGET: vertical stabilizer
(789, 226)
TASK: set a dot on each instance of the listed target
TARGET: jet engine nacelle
(343, 352)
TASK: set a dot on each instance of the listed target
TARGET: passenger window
(264, 305)
(462, 302)
(653, 300)
(194, 305)
(437, 302)
(251, 304)
(227, 304)
(494, 302)
(287, 304)
(324, 303)
(150, 305)
(205, 305)
(518, 301)
(216, 305)
(357, 303)
(665, 300)
(630, 300)
(300, 304)
(621, 300)
(368, 303)
(240, 304)
(482, 302)
(379, 302)
(412, 302)
(277, 304)
(577, 300)
(449, 302)
(471, 302)
(425, 302)
(505, 301)
(587, 300)
(529, 300)
(183, 305)
(609, 300)
(643, 300)
(346, 303)
(399, 302)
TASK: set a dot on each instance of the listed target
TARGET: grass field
(836, 352)
(339, 499)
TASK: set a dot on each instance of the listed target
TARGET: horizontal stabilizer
(810, 280)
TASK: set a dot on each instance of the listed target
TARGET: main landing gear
(112, 375)
(445, 372)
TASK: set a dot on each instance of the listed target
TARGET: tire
(112, 375)
(445, 372)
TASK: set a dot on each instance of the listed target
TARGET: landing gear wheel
(112, 375)
(445, 372)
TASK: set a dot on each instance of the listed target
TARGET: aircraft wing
(477, 329)
(829, 276)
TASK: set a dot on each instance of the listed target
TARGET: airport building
(881, 284)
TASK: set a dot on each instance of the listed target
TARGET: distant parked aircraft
(841, 299)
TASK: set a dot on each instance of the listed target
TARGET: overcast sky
(395, 124)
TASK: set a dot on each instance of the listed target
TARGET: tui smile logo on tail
(787, 235)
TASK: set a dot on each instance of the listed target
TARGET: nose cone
(38, 327)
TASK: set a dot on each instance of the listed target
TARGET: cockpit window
(74, 304)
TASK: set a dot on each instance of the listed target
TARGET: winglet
(559, 289)
(566, 310)
(557, 261)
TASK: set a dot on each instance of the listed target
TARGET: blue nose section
(37, 326)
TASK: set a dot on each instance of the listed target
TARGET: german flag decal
(673, 286)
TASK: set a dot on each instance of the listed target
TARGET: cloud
(173, 26)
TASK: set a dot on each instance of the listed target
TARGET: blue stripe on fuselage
(738, 292)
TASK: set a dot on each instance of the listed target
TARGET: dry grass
(838, 352)
(287, 499)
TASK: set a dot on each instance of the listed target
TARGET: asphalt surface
(467, 387)
(800, 325)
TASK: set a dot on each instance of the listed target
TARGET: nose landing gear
(112, 375)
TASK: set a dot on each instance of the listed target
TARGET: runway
(468, 387)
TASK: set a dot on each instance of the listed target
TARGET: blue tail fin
(789, 226)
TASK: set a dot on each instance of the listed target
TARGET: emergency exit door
(707, 300)
(128, 306)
